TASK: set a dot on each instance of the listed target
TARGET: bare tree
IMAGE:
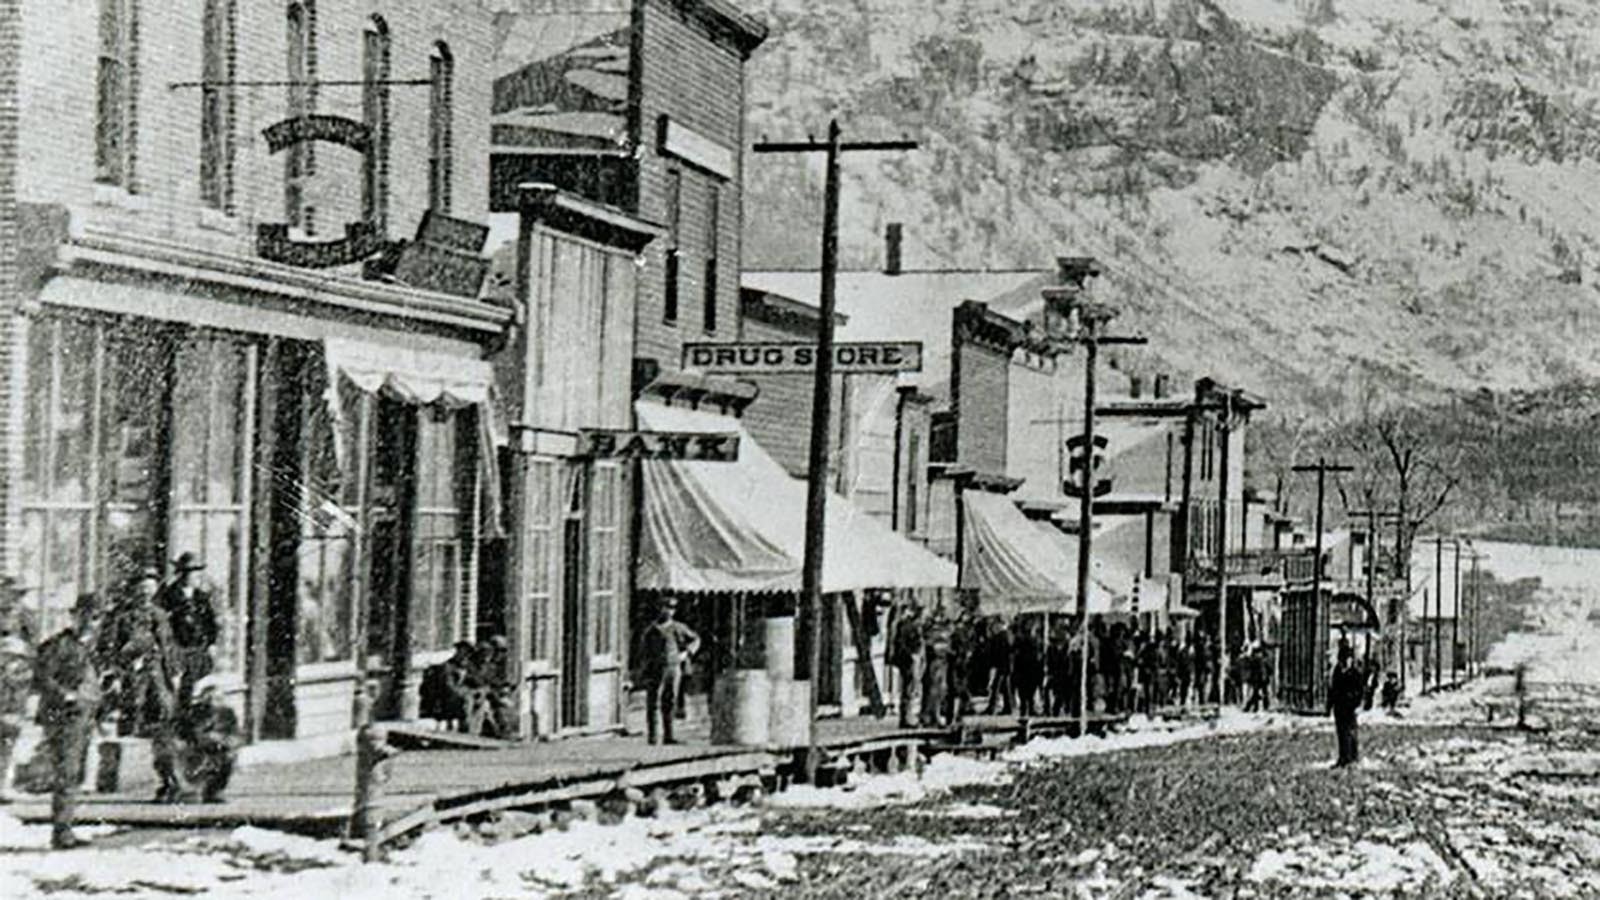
(1406, 456)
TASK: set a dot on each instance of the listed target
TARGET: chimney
(1161, 386)
(1136, 386)
(892, 234)
(1075, 270)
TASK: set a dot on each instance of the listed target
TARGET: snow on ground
(680, 853)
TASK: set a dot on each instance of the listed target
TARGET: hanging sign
(771, 357)
(598, 443)
(361, 239)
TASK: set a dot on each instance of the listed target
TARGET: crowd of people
(141, 658)
(951, 666)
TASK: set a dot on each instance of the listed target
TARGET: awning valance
(740, 526)
(421, 378)
(1018, 565)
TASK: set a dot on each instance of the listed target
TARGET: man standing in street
(1345, 691)
(907, 654)
(194, 623)
(665, 646)
(69, 705)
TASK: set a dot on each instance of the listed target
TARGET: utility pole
(821, 401)
(1373, 514)
(1092, 318)
(1455, 622)
(1322, 467)
(1438, 611)
(1225, 430)
(1473, 602)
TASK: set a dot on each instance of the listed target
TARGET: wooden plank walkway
(425, 787)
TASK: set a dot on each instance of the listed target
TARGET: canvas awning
(740, 526)
(420, 378)
(1017, 565)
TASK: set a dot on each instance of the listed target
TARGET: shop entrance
(574, 609)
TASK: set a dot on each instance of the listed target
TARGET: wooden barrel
(741, 708)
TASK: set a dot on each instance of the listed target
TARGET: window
(209, 459)
(709, 299)
(375, 114)
(913, 465)
(325, 595)
(541, 530)
(440, 549)
(116, 90)
(674, 217)
(441, 123)
(605, 558)
(300, 69)
(107, 403)
(216, 104)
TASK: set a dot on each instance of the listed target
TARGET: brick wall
(980, 404)
(780, 416)
(58, 78)
(11, 330)
(697, 79)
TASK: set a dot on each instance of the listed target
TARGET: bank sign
(754, 358)
(598, 443)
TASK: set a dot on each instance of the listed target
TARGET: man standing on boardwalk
(69, 705)
(194, 623)
(907, 654)
(1345, 692)
(665, 646)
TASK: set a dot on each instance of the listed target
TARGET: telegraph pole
(1473, 602)
(821, 401)
(1455, 622)
(1322, 467)
(1092, 318)
(1373, 514)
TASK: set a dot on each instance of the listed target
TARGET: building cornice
(87, 246)
(565, 211)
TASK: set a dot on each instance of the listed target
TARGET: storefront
(729, 538)
(327, 466)
(562, 582)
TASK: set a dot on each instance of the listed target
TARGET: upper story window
(674, 219)
(300, 71)
(375, 51)
(216, 104)
(441, 126)
(713, 232)
(117, 88)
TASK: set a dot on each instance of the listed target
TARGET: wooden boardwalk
(427, 787)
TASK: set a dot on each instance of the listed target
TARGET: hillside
(1303, 196)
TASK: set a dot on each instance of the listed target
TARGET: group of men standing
(141, 657)
(1032, 666)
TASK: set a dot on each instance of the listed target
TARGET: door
(575, 627)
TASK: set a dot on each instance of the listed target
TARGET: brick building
(247, 325)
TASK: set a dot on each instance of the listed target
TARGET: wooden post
(821, 396)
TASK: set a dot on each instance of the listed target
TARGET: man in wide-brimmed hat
(68, 683)
(193, 620)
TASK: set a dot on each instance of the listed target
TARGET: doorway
(575, 627)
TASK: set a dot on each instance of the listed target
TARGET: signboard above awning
(759, 357)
